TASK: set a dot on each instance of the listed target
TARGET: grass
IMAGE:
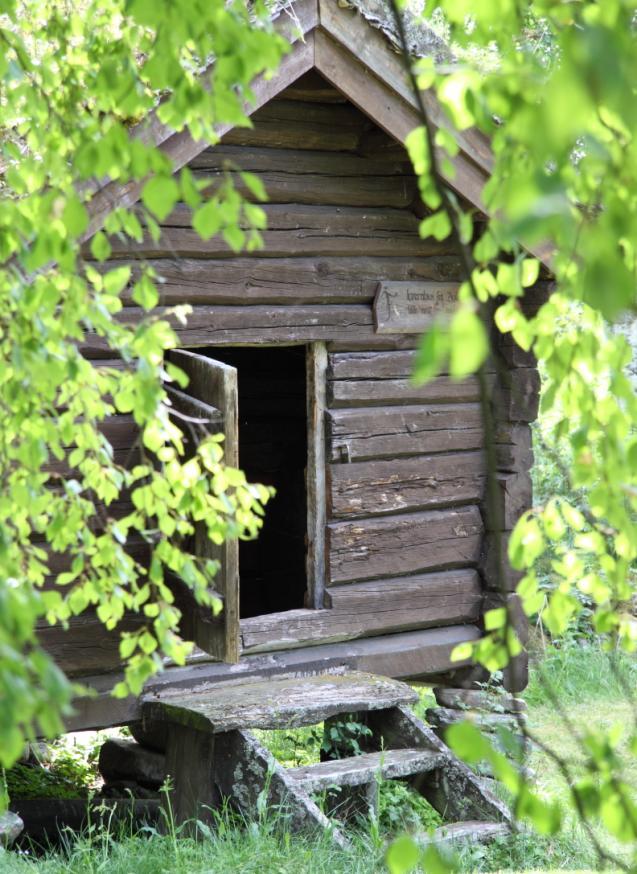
(262, 849)
(583, 678)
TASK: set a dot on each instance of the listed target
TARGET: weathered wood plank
(316, 492)
(358, 770)
(300, 230)
(365, 609)
(319, 177)
(404, 544)
(86, 647)
(377, 432)
(376, 392)
(369, 488)
(216, 385)
(285, 123)
(277, 703)
(287, 281)
(312, 86)
(259, 325)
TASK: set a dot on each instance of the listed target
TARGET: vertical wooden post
(315, 474)
(189, 765)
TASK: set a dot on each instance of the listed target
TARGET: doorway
(273, 450)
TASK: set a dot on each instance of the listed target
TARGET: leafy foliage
(72, 81)
(556, 100)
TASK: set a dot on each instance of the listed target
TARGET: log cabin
(376, 553)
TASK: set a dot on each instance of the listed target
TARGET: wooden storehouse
(374, 554)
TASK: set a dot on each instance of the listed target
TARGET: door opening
(273, 450)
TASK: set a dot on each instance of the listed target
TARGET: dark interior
(273, 451)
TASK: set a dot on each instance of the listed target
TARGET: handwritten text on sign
(410, 307)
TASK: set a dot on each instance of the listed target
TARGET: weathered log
(262, 325)
(364, 609)
(301, 230)
(516, 673)
(517, 398)
(370, 488)
(494, 562)
(377, 432)
(286, 281)
(397, 364)
(516, 496)
(443, 717)
(127, 760)
(86, 646)
(150, 735)
(288, 124)
(472, 832)
(405, 544)
(494, 700)
(45, 819)
(377, 392)
(319, 177)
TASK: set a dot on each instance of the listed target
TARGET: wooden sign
(410, 307)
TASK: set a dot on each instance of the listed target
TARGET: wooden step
(358, 770)
(276, 703)
(472, 831)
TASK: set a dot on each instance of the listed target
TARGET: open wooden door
(211, 395)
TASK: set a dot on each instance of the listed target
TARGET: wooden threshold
(413, 654)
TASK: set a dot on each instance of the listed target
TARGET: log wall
(405, 544)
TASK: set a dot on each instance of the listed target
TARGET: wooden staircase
(212, 755)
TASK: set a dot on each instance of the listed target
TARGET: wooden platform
(277, 703)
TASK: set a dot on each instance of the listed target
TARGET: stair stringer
(452, 789)
(250, 776)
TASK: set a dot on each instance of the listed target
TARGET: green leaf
(468, 341)
(160, 195)
(402, 856)
(145, 292)
(75, 216)
(207, 220)
(431, 355)
(116, 280)
(100, 247)
(437, 225)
